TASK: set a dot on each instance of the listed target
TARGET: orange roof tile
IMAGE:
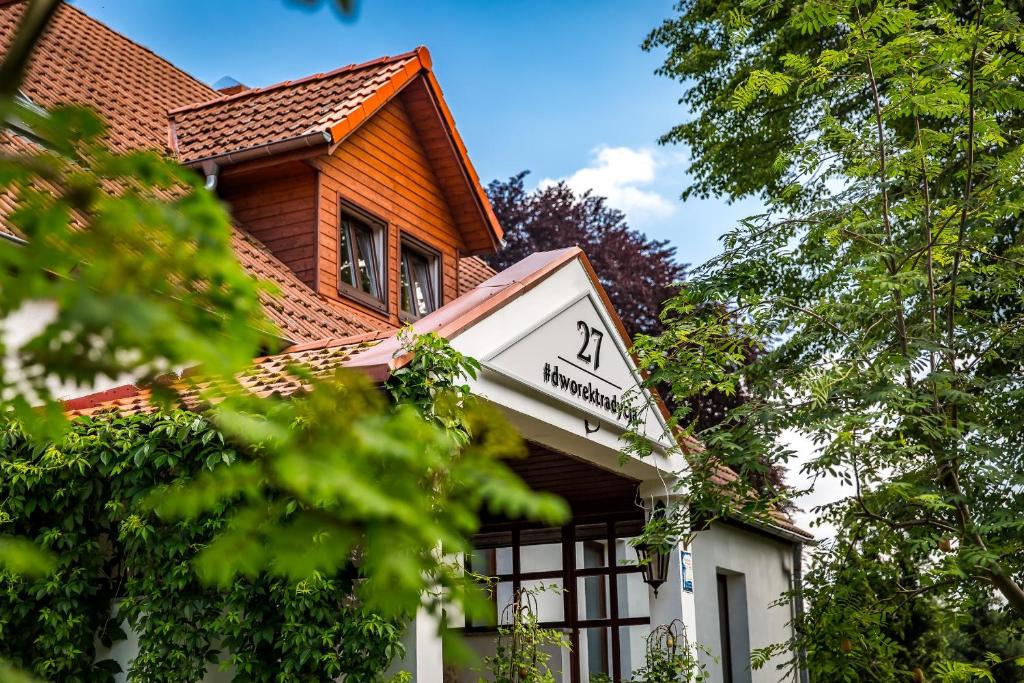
(81, 61)
(267, 376)
(473, 271)
(298, 311)
(282, 111)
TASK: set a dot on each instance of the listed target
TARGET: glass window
(360, 248)
(419, 280)
(596, 655)
(592, 590)
(632, 649)
(549, 596)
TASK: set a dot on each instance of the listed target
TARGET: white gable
(553, 356)
(577, 357)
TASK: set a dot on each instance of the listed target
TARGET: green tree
(638, 273)
(887, 274)
(989, 628)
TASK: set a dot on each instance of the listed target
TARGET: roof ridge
(305, 79)
(139, 45)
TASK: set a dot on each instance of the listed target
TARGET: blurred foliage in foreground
(290, 499)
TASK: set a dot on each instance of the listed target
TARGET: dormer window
(361, 249)
(420, 279)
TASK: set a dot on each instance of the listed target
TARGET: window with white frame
(361, 249)
(419, 279)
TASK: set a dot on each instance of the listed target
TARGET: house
(353, 192)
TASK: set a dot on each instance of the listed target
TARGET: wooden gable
(277, 206)
(383, 169)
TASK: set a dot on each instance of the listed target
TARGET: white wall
(124, 651)
(759, 569)
(22, 326)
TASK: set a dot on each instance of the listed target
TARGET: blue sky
(558, 88)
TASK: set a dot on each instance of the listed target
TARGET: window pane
(626, 553)
(550, 598)
(424, 289)
(489, 614)
(419, 287)
(632, 649)
(367, 262)
(406, 286)
(503, 559)
(595, 653)
(503, 592)
(483, 562)
(540, 558)
(345, 269)
(592, 554)
(633, 595)
(541, 550)
(592, 597)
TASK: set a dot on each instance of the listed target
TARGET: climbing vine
(434, 380)
(524, 647)
(126, 505)
(84, 499)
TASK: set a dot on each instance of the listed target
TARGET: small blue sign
(686, 561)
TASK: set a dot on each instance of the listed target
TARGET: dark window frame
(724, 626)
(435, 263)
(379, 237)
(569, 573)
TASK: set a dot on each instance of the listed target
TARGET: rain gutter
(211, 165)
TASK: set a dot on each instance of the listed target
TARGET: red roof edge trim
(91, 400)
(484, 203)
(381, 96)
(304, 79)
(483, 300)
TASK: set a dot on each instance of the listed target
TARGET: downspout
(212, 171)
(798, 607)
(12, 238)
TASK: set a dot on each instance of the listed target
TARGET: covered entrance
(555, 360)
(584, 575)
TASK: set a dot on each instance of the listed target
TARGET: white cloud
(621, 174)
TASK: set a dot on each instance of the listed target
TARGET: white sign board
(577, 357)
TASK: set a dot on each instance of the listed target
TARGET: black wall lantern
(653, 565)
(655, 549)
